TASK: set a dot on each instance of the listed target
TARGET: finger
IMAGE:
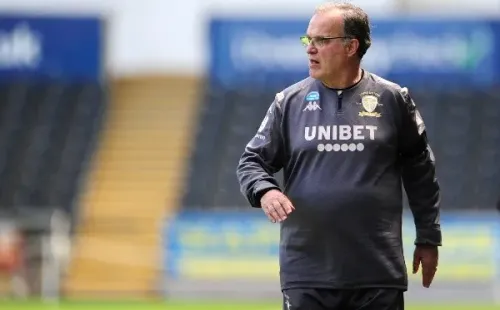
(287, 204)
(280, 210)
(429, 268)
(416, 262)
(267, 211)
(273, 212)
(427, 276)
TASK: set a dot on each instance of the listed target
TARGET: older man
(347, 141)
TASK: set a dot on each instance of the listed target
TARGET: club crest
(370, 102)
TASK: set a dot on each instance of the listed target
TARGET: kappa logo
(312, 101)
(287, 302)
(370, 102)
(418, 118)
(279, 99)
(312, 106)
(263, 124)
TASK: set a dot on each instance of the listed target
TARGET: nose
(311, 49)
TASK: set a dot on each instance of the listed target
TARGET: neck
(345, 79)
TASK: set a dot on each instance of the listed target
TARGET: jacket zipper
(339, 101)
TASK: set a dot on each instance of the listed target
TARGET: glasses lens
(305, 40)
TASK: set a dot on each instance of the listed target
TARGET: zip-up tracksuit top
(346, 156)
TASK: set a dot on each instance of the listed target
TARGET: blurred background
(122, 121)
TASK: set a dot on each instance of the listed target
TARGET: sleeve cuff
(429, 237)
(260, 189)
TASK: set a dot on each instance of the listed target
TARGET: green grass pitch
(195, 305)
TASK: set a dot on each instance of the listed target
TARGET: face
(327, 57)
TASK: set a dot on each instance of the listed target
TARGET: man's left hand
(427, 256)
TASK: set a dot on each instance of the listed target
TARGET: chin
(314, 73)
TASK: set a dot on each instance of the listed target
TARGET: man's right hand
(276, 205)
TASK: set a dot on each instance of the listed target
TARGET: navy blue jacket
(346, 156)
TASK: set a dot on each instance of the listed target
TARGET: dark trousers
(356, 299)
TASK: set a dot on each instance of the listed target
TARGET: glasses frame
(319, 41)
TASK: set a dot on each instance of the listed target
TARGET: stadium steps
(136, 182)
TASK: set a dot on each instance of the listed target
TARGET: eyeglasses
(318, 41)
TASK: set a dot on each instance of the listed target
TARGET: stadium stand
(225, 121)
(135, 184)
(48, 133)
(461, 129)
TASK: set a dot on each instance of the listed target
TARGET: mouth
(313, 62)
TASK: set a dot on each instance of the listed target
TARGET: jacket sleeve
(419, 173)
(263, 156)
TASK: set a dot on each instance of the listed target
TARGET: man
(347, 140)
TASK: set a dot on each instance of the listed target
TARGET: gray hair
(356, 23)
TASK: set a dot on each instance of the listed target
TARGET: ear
(352, 47)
